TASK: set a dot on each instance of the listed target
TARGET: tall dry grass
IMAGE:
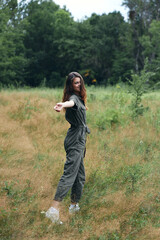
(121, 195)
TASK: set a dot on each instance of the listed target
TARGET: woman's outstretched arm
(59, 106)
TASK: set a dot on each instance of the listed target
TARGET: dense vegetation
(121, 199)
(40, 43)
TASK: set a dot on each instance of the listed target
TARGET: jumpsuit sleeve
(76, 102)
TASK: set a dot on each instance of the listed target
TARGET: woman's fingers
(58, 107)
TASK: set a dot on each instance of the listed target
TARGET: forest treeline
(40, 43)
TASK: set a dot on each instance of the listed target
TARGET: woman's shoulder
(74, 96)
(77, 100)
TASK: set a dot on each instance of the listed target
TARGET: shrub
(139, 85)
(107, 119)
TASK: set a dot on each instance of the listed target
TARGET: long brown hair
(68, 88)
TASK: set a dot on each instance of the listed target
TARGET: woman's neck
(77, 93)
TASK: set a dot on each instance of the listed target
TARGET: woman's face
(77, 85)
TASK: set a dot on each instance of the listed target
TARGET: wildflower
(86, 74)
(94, 80)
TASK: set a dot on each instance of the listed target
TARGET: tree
(151, 49)
(141, 14)
(139, 85)
(106, 51)
(12, 61)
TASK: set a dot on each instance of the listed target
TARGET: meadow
(121, 198)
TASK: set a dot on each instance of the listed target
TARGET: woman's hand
(67, 104)
(58, 107)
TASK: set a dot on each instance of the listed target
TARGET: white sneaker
(53, 215)
(74, 208)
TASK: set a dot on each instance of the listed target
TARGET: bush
(107, 119)
(139, 85)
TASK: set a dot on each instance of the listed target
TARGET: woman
(73, 178)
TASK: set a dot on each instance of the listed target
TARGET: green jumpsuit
(74, 174)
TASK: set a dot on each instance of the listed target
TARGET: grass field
(121, 198)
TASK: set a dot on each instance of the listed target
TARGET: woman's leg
(77, 189)
(55, 204)
(78, 185)
(71, 169)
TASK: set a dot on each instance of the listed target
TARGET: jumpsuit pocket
(71, 139)
(82, 137)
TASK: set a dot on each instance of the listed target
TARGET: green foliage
(12, 59)
(151, 49)
(89, 77)
(40, 43)
(121, 96)
(139, 85)
(109, 118)
(106, 33)
(141, 14)
(55, 80)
